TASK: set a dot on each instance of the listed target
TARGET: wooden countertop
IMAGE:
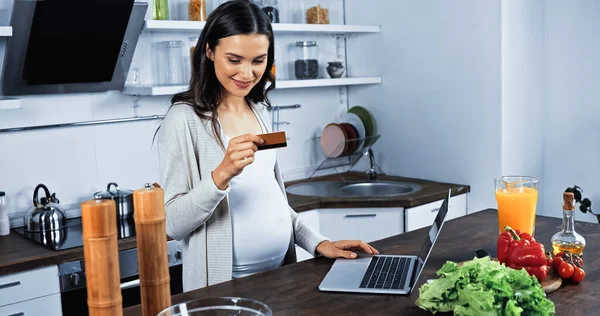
(19, 254)
(293, 289)
(430, 191)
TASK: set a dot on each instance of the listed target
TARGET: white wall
(439, 107)
(572, 137)
(523, 88)
(76, 162)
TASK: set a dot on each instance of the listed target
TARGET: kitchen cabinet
(366, 224)
(29, 285)
(423, 215)
(47, 306)
(310, 218)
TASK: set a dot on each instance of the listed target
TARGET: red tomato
(556, 263)
(565, 270)
(578, 275)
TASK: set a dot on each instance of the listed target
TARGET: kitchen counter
(430, 191)
(293, 289)
(19, 254)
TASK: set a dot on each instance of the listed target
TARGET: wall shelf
(281, 84)
(5, 31)
(194, 26)
(7, 103)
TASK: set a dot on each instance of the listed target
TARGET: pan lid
(112, 194)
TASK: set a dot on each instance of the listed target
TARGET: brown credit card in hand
(272, 140)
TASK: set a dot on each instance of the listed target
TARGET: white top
(260, 218)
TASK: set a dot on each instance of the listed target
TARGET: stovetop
(71, 237)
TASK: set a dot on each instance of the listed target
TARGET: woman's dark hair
(235, 17)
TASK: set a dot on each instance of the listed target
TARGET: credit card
(272, 140)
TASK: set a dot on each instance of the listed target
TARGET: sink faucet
(371, 172)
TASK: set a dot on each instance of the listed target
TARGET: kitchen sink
(384, 188)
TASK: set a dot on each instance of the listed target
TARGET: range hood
(69, 46)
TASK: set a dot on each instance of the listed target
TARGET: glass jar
(317, 13)
(306, 65)
(197, 10)
(160, 9)
(271, 9)
(192, 45)
(168, 61)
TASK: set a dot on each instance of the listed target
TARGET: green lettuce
(484, 287)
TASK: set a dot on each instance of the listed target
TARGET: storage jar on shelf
(160, 9)
(306, 65)
(169, 69)
(270, 8)
(316, 12)
(197, 10)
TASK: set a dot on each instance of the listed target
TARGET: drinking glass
(517, 198)
(218, 306)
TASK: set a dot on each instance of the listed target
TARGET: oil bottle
(568, 239)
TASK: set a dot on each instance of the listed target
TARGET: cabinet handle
(130, 284)
(360, 215)
(435, 210)
(18, 314)
(11, 284)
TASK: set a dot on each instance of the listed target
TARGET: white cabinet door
(366, 224)
(22, 286)
(423, 215)
(47, 306)
(310, 218)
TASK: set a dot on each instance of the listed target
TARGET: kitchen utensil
(151, 232)
(358, 125)
(550, 284)
(333, 140)
(101, 255)
(368, 122)
(351, 138)
(123, 200)
(219, 306)
(4, 221)
(46, 215)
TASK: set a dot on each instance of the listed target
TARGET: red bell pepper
(520, 250)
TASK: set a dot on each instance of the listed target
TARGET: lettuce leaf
(484, 287)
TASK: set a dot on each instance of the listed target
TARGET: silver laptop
(384, 274)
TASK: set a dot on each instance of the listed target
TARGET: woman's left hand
(344, 248)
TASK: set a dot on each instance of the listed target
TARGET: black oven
(73, 285)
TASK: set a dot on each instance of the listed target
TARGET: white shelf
(194, 26)
(309, 83)
(5, 31)
(281, 84)
(7, 103)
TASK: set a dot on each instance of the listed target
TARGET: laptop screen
(431, 237)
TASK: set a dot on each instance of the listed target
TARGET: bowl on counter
(218, 306)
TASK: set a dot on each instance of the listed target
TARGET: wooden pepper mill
(151, 234)
(101, 255)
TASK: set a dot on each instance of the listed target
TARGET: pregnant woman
(225, 201)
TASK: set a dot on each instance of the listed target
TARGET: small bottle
(4, 221)
(568, 239)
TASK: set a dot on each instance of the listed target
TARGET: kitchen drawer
(47, 306)
(422, 216)
(22, 286)
(366, 224)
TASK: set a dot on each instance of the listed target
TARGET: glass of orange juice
(517, 198)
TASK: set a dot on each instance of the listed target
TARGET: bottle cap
(2, 193)
(568, 201)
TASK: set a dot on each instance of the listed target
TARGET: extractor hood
(68, 46)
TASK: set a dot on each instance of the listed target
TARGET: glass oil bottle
(568, 239)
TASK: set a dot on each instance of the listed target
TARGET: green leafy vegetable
(484, 287)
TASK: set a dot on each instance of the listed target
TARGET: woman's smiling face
(240, 62)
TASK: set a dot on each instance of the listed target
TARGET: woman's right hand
(240, 153)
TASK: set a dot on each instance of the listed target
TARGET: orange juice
(516, 208)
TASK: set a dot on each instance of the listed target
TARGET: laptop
(383, 274)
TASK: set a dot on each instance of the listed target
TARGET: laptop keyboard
(385, 273)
